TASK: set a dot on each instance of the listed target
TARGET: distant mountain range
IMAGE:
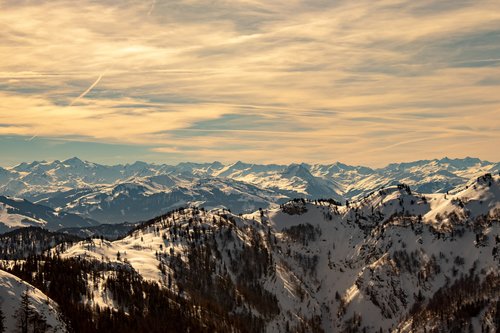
(76, 193)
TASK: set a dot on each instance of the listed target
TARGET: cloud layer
(361, 82)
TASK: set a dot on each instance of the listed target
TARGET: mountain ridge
(92, 190)
(382, 261)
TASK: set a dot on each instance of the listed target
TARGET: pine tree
(24, 313)
(2, 320)
(39, 323)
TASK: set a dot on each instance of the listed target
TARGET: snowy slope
(11, 291)
(379, 263)
(17, 213)
(143, 198)
(12, 218)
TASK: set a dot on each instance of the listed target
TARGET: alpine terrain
(390, 259)
(75, 193)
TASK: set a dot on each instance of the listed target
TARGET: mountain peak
(461, 162)
(297, 170)
(239, 165)
(216, 164)
(73, 161)
(139, 164)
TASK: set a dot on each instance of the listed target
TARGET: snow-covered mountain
(140, 191)
(40, 313)
(393, 260)
(18, 213)
(142, 198)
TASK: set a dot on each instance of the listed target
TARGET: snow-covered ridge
(380, 262)
(18, 213)
(41, 307)
(103, 192)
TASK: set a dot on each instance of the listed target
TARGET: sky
(361, 82)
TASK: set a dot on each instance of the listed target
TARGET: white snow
(11, 290)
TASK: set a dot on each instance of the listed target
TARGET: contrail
(152, 7)
(76, 99)
(88, 90)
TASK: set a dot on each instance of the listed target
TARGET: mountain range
(393, 260)
(85, 193)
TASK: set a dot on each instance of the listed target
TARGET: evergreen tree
(24, 313)
(39, 323)
(2, 320)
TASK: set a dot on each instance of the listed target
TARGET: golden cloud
(341, 73)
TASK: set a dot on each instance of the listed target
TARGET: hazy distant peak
(73, 161)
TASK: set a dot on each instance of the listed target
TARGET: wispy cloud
(319, 79)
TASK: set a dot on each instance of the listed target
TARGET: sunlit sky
(361, 82)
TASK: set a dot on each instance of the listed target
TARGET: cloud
(313, 80)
